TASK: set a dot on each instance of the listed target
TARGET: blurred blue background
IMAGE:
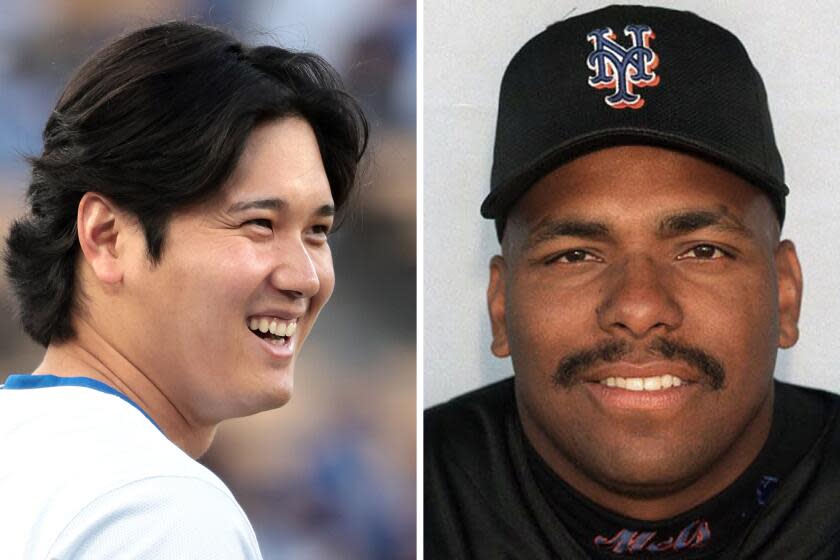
(332, 474)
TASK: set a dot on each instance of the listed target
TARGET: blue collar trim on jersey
(42, 381)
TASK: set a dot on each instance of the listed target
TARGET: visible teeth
(635, 384)
(655, 383)
(272, 325)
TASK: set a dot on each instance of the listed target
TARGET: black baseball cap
(631, 75)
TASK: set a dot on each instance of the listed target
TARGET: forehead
(281, 158)
(633, 188)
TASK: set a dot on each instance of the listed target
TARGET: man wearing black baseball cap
(642, 294)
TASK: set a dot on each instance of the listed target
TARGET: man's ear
(789, 275)
(99, 225)
(496, 306)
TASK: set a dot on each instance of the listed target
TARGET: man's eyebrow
(681, 223)
(261, 204)
(550, 229)
(326, 210)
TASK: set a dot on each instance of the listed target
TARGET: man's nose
(638, 299)
(295, 273)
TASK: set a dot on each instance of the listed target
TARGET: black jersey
(488, 494)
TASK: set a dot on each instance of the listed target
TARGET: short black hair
(156, 121)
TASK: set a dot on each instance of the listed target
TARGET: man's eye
(703, 252)
(260, 222)
(573, 256)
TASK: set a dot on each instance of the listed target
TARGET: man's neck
(89, 355)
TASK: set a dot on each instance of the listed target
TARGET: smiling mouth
(653, 383)
(640, 389)
(272, 329)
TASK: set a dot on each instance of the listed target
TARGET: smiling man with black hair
(642, 293)
(173, 261)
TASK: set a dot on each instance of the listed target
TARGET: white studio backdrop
(468, 43)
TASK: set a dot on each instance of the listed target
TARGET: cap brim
(508, 191)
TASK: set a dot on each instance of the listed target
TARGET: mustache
(609, 351)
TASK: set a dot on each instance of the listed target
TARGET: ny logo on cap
(620, 68)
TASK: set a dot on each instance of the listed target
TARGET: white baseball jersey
(85, 473)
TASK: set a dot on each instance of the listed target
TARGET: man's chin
(277, 395)
(273, 393)
(646, 485)
(647, 469)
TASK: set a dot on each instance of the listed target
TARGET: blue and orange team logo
(623, 68)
